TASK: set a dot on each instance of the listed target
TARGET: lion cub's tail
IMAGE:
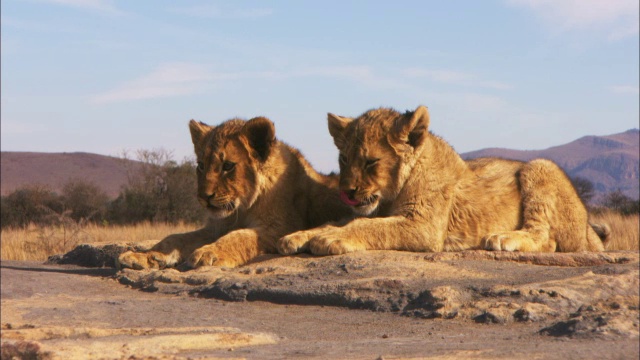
(603, 231)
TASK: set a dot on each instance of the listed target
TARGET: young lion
(417, 194)
(256, 189)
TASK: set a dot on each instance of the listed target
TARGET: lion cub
(256, 190)
(415, 193)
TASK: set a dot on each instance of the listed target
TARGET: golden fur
(415, 193)
(256, 190)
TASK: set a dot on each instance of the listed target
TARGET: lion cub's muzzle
(349, 197)
(217, 204)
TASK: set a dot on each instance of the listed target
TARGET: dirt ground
(370, 305)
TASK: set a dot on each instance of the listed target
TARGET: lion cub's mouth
(230, 206)
(351, 201)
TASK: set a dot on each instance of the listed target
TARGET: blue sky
(106, 76)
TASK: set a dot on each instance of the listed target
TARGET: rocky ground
(368, 305)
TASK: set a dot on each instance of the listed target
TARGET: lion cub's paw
(512, 241)
(330, 243)
(209, 256)
(294, 243)
(141, 260)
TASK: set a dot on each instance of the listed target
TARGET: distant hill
(610, 162)
(56, 169)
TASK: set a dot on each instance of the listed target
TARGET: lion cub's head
(229, 157)
(377, 152)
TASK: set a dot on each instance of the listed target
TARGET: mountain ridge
(610, 162)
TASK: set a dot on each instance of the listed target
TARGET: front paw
(141, 260)
(504, 241)
(333, 243)
(294, 243)
(209, 256)
(202, 257)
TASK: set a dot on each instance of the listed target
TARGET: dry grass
(624, 230)
(38, 243)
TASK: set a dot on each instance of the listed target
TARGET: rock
(481, 286)
(59, 310)
(96, 255)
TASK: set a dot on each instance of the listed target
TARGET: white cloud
(102, 6)
(625, 89)
(454, 77)
(215, 12)
(617, 18)
(167, 80)
(177, 79)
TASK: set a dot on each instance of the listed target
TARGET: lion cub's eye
(228, 166)
(342, 159)
(370, 162)
(200, 167)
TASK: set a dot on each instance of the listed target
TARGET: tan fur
(256, 188)
(415, 193)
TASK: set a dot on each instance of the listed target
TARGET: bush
(584, 187)
(84, 200)
(621, 203)
(159, 190)
(30, 204)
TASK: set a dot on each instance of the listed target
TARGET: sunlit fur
(429, 199)
(256, 190)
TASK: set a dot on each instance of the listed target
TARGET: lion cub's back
(493, 191)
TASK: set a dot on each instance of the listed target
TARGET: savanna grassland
(624, 230)
(39, 242)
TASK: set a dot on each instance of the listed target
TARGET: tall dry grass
(38, 243)
(624, 230)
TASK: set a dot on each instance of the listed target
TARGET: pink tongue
(345, 198)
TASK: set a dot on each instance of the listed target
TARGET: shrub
(158, 190)
(30, 204)
(621, 203)
(84, 200)
(584, 187)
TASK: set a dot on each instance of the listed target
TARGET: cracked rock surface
(472, 304)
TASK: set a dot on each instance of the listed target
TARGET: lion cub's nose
(205, 197)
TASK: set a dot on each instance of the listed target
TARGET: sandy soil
(390, 305)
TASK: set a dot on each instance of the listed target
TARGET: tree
(584, 188)
(85, 200)
(621, 203)
(30, 204)
(158, 189)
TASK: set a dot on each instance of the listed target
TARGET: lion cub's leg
(298, 241)
(145, 260)
(234, 249)
(169, 252)
(518, 240)
(554, 218)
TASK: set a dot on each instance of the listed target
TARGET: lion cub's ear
(337, 125)
(412, 128)
(261, 135)
(198, 131)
